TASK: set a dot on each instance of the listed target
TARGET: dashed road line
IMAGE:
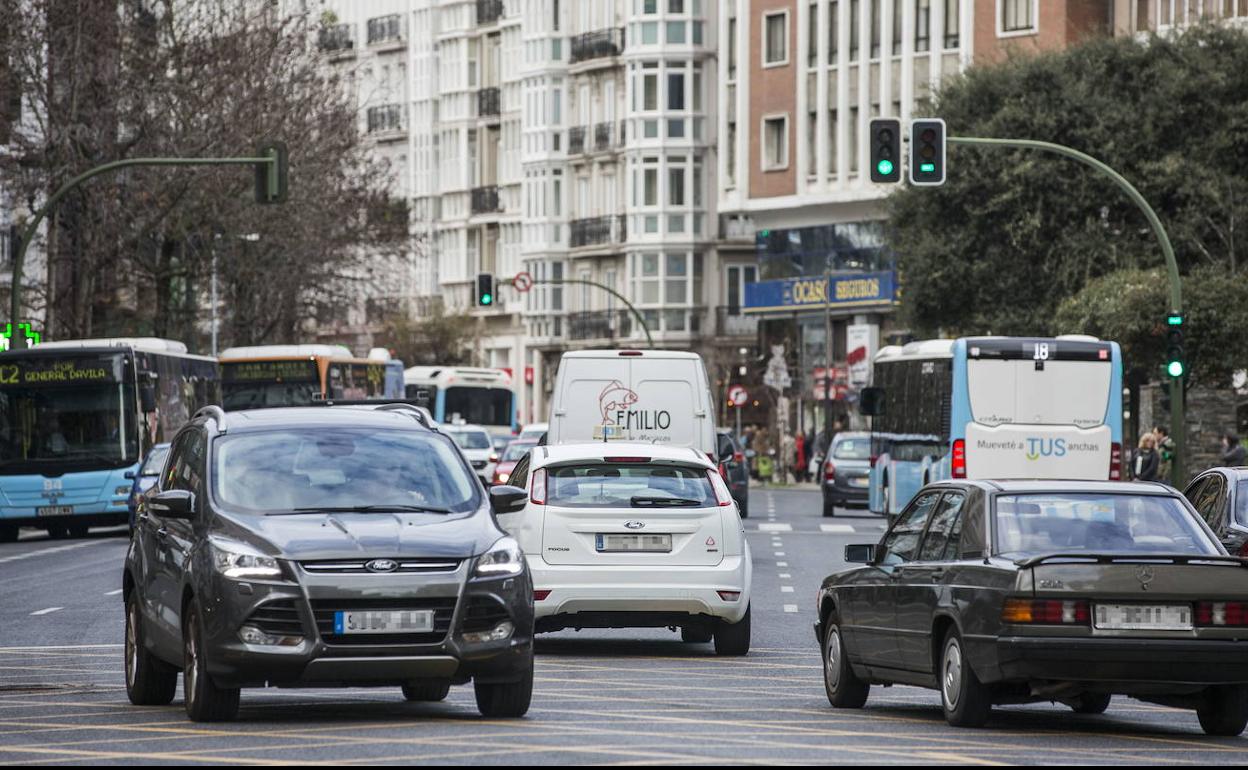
(790, 608)
(782, 564)
(777, 527)
(785, 576)
(46, 610)
(838, 528)
(779, 553)
(786, 589)
(114, 592)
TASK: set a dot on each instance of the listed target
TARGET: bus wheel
(57, 531)
(78, 530)
(8, 533)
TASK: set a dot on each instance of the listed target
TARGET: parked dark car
(736, 470)
(1220, 496)
(146, 477)
(324, 546)
(845, 472)
(1020, 591)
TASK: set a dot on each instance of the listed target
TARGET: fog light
(502, 631)
(729, 596)
(253, 635)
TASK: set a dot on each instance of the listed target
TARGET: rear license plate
(1144, 617)
(54, 510)
(634, 543)
(383, 622)
(860, 481)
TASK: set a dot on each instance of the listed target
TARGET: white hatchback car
(477, 446)
(633, 535)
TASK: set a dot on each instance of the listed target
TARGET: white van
(649, 396)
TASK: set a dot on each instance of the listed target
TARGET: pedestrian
(1146, 460)
(799, 467)
(1165, 451)
(1232, 451)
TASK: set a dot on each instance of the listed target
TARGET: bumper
(1141, 661)
(837, 492)
(106, 515)
(651, 594)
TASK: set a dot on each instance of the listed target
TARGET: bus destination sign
(269, 371)
(57, 371)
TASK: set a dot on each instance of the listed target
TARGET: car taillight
(872, 460)
(493, 457)
(540, 594)
(626, 459)
(1243, 549)
(537, 490)
(1115, 461)
(630, 352)
(729, 596)
(1222, 613)
(959, 459)
(722, 495)
(723, 471)
(738, 457)
(1047, 611)
(829, 470)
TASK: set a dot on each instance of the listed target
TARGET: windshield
(471, 439)
(65, 428)
(608, 485)
(516, 451)
(479, 406)
(155, 461)
(1034, 524)
(256, 395)
(340, 468)
(852, 449)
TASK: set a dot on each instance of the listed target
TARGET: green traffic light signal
(885, 167)
(1175, 369)
(486, 299)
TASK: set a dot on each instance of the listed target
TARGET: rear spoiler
(1130, 558)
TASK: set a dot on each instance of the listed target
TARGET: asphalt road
(602, 697)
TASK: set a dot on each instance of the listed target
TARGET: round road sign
(738, 395)
(522, 282)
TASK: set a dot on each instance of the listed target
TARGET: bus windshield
(67, 427)
(478, 406)
(1060, 393)
(254, 395)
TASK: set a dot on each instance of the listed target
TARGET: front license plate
(634, 543)
(1144, 617)
(383, 622)
(54, 510)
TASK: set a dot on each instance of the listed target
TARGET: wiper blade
(675, 502)
(381, 508)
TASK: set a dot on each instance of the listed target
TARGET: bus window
(479, 406)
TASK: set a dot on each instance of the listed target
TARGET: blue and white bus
(992, 407)
(476, 396)
(77, 417)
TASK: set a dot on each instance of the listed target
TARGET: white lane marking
(779, 527)
(54, 549)
(46, 610)
(785, 576)
(113, 592)
(836, 527)
(60, 647)
(786, 589)
(782, 564)
(779, 553)
(790, 608)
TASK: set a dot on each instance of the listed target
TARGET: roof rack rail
(215, 412)
(420, 413)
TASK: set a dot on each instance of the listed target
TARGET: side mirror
(871, 402)
(505, 498)
(130, 475)
(147, 398)
(862, 553)
(173, 504)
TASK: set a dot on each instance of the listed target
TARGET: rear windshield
(629, 486)
(852, 449)
(472, 439)
(1029, 525)
(516, 452)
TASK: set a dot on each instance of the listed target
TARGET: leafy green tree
(1014, 233)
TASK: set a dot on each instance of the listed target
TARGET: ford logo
(634, 524)
(382, 565)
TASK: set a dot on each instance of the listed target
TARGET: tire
(829, 509)
(743, 507)
(967, 701)
(733, 638)
(843, 687)
(57, 531)
(205, 702)
(427, 691)
(8, 533)
(78, 530)
(1091, 703)
(695, 634)
(1223, 710)
(149, 681)
(506, 699)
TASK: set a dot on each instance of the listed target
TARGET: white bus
(460, 393)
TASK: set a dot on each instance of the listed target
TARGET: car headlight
(503, 558)
(240, 562)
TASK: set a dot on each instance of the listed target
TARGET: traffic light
(927, 152)
(485, 290)
(885, 150)
(1176, 360)
(271, 186)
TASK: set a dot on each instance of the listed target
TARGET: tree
(1014, 233)
(438, 338)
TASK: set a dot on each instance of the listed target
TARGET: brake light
(493, 457)
(872, 460)
(959, 459)
(626, 459)
(630, 352)
(537, 490)
(1054, 612)
(829, 469)
(1222, 613)
(1115, 461)
(723, 471)
(738, 457)
(722, 495)
(540, 594)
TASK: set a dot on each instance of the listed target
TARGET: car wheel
(696, 634)
(1223, 710)
(1091, 703)
(149, 681)
(829, 509)
(967, 702)
(743, 507)
(733, 638)
(205, 702)
(845, 690)
(426, 691)
(8, 533)
(505, 699)
(78, 530)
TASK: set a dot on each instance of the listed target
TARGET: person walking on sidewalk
(1165, 452)
(1233, 452)
(1146, 460)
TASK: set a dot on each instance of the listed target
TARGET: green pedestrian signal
(927, 152)
(885, 136)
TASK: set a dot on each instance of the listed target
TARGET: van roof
(631, 353)
(598, 451)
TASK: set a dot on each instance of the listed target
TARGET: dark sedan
(1220, 496)
(1013, 592)
(846, 470)
(736, 471)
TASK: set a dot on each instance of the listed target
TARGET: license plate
(634, 543)
(1144, 617)
(861, 481)
(54, 510)
(383, 622)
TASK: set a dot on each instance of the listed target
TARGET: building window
(953, 23)
(812, 36)
(897, 4)
(776, 143)
(875, 28)
(833, 36)
(732, 48)
(1016, 17)
(853, 30)
(922, 25)
(776, 47)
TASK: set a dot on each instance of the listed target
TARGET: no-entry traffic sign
(522, 282)
(738, 395)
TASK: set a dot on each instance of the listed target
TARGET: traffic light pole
(1177, 430)
(15, 288)
(612, 292)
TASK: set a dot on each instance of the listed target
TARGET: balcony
(485, 200)
(386, 32)
(597, 231)
(385, 122)
(489, 11)
(576, 140)
(337, 41)
(730, 321)
(601, 137)
(600, 325)
(604, 43)
(489, 102)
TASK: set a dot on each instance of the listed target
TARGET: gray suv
(324, 546)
